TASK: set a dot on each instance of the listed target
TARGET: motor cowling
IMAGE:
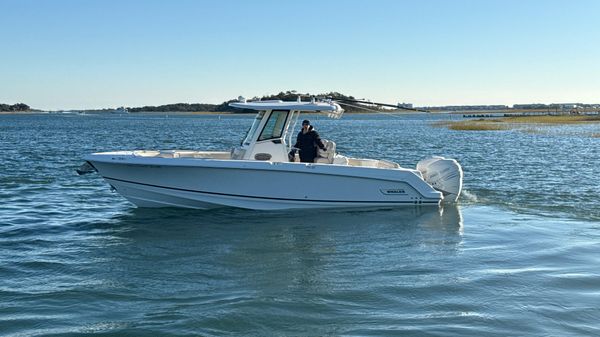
(443, 174)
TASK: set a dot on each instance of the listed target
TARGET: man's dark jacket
(307, 143)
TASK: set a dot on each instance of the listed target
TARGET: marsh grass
(507, 123)
(475, 125)
(562, 119)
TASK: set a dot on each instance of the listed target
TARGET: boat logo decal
(394, 191)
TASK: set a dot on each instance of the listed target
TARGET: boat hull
(208, 183)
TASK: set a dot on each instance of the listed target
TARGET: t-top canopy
(332, 109)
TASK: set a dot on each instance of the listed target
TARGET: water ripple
(517, 257)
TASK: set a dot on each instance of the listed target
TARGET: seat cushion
(326, 156)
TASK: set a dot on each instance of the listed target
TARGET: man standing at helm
(307, 141)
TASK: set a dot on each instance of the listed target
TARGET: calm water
(520, 254)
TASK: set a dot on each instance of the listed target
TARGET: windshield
(253, 128)
(274, 127)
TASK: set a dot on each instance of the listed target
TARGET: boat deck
(337, 159)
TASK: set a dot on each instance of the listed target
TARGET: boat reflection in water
(245, 227)
(271, 270)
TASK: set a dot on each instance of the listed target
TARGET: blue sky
(74, 54)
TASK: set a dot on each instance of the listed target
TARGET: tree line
(223, 107)
(14, 107)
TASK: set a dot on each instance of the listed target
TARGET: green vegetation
(516, 121)
(19, 107)
(560, 119)
(209, 108)
(177, 107)
(474, 125)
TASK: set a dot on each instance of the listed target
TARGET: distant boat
(120, 110)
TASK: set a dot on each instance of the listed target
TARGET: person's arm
(297, 145)
(292, 153)
(318, 141)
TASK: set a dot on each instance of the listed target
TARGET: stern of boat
(444, 175)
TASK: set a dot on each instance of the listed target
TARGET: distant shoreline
(189, 113)
(162, 113)
(193, 113)
(52, 113)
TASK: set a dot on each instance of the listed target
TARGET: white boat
(258, 173)
(120, 110)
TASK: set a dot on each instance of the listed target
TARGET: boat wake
(468, 196)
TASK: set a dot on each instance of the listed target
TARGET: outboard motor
(445, 175)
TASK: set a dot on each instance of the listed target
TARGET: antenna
(347, 100)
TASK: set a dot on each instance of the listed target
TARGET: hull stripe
(421, 202)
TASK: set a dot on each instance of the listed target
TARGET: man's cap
(306, 121)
